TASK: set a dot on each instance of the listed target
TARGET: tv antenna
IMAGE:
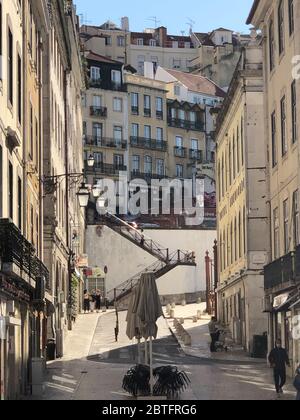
(155, 20)
(191, 24)
(84, 19)
(182, 33)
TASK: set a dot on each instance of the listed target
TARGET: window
(37, 223)
(173, 113)
(19, 88)
(10, 191)
(286, 226)
(118, 161)
(84, 100)
(98, 158)
(10, 66)
(193, 116)
(238, 150)
(95, 74)
(187, 45)
(160, 167)
(118, 104)
(296, 217)
(147, 106)
(121, 41)
(177, 90)
(97, 101)
(116, 77)
(108, 40)
(31, 151)
(159, 134)
(135, 131)
(230, 164)
(148, 165)
(97, 132)
(152, 43)
(141, 64)
(140, 41)
(175, 44)
(291, 17)
(135, 103)
(234, 157)
(294, 111)
(194, 145)
(283, 126)
(147, 132)
(281, 26)
(179, 171)
(136, 163)
(176, 64)
(118, 134)
(271, 46)
(179, 142)
(240, 235)
(242, 140)
(159, 108)
(274, 142)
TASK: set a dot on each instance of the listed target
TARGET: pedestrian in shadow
(86, 301)
(279, 359)
(214, 331)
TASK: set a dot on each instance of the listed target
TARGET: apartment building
(22, 273)
(242, 211)
(148, 152)
(105, 119)
(218, 53)
(279, 23)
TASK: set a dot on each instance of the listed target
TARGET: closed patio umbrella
(148, 308)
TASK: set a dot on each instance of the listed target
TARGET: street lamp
(100, 205)
(83, 195)
(91, 160)
(96, 191)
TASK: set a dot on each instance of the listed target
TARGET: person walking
(98, 298)
(86, 301)
(297, 383)
(279, 359)
(214, 333)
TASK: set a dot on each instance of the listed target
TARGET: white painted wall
(125, 259)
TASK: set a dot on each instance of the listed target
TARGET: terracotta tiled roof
(197, 83)
(101, 59)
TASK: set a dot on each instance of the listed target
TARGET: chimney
(162, 36)
(125, 24)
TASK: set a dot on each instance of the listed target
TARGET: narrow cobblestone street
(94, 366)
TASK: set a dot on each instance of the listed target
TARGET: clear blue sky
(175, 14)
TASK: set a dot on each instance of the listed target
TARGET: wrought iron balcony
(280, 272)
(159, 115)
(18, 255)
(196, 155)
(95, 83)
(180, 152)
(105, 169)
(147, 112)
(152, 144)
(101, 142)
(98, 111)
(186, 124)
(135, 110)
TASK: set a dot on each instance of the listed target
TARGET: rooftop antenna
(155, 20)
(182, 33)
(191, 24)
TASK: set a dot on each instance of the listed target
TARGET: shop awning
(283, 302)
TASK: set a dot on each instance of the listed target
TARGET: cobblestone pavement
(95, 365)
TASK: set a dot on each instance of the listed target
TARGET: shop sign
(13, 290)
(82, 261)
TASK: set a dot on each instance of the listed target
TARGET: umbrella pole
(139, 351)
(151, 368)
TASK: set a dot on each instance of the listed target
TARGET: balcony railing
(147, 176)
(186, 124)
(147, 112)
(105, 168)
(98, 111)
(196, 155)
(101, 142)
(135, 110)
(159, 115)
(18, 255)
(180, 152)
(280, 272)
(96, 83)
(144, 143)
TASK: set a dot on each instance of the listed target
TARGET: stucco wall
(124, 259)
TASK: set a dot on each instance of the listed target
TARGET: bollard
(168, 309)
(199, 301)
(183, 303)
(199, 314)
(181, 321)
(187, 340)
(172, 313)
(173, 305)
(195, 319)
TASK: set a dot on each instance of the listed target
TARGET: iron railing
(145, 143)
(105, 168)
(16, 250)
(98, 111)
(104, 142)
(280, 271)
(186, 124)
(180, 152)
